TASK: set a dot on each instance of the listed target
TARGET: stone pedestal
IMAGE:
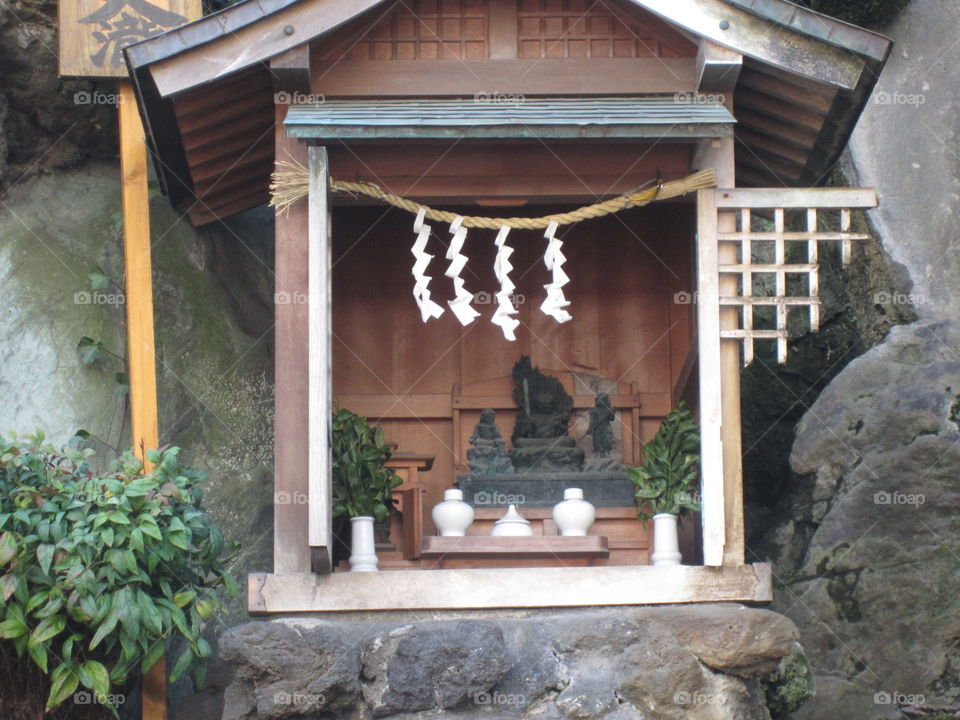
(545, 489)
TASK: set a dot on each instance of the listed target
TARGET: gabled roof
(804, 82)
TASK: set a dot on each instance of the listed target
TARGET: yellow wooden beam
(141, 357)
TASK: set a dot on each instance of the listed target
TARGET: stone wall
(703, 662)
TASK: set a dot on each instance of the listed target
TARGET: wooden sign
(93, 32)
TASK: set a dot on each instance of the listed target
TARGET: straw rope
(291, 183)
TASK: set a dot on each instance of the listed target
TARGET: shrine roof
(207, 89)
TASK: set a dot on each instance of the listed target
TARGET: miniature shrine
(516, 235)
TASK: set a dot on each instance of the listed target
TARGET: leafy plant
(361, 483)
(666, 480)
(98, 571)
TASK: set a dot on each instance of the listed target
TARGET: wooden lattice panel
(427, 30)
(778, 259)
(587, 28)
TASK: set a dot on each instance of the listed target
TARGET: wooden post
(719, 155)
(291, 540)
(711, 405)
(141, 359)
(319, 472)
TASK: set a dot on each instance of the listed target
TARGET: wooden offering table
(479, 551)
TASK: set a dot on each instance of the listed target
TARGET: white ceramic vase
(363, 553)
(573, 515)
(512, 524)
(452, 516)
(666, 544)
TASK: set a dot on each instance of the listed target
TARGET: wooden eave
(820, 73)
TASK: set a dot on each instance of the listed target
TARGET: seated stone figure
(541, 438)
(489, 452)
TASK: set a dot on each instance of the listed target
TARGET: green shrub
(859, 12)
(97, 570)
(361, 484)
(667, 479)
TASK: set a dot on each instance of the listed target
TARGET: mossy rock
(790, 685)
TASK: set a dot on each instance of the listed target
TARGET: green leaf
(182, 664)
(100, 678)
(154, 654)
(63, 683)
(91, 351)
(8, 547)
(184, 598)
(12, 628)
(45, 557)
(48, 628)
(98, 278)
(39, 655)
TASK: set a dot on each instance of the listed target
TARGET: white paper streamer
(460, 305)
(554, 259)
(428, 308)
(505, 307)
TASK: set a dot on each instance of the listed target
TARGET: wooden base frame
(507, 588)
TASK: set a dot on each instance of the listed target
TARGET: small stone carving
(541, 439)
(489, 452)
(601, 421)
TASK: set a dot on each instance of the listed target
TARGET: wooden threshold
(507, 588)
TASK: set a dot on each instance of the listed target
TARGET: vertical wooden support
(319, 301)
(141, 358)
(719, 155)
(711, 402)
(291, 548)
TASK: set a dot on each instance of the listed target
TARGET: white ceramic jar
(363, 552)
(573, 515)
(512, 524)
(452, 516)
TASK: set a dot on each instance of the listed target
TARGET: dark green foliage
(667, 479)
(361, 484)
(859, 12)
(789, 686)
(97, 571)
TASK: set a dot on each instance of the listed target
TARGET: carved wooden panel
(426, 30)
(585, 28)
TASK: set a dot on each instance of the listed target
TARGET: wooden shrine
(502, 125)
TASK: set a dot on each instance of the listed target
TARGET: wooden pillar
(291, 547)
(141, 356)
(719, 155)
(319, 358)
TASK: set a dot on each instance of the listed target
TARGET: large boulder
(875, 594)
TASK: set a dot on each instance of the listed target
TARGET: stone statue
(541, 439)
(601, 420)
(489, 452)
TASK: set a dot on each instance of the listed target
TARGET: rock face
(214, 364)
(654, 663)
(865, 539)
